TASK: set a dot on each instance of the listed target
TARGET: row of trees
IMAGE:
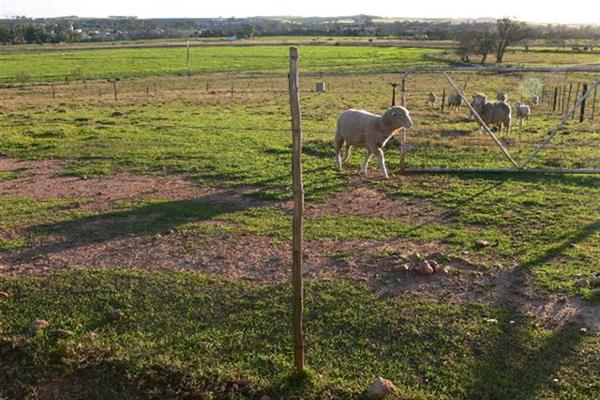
(481, 37)
(495, 40)
(22, 30)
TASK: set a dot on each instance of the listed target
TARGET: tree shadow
(512, 370)
(145, 220)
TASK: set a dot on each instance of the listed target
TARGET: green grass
(187, 336)
(29, 67)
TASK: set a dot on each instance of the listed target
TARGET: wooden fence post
(575, 101)
(555, 98)
(582, 113)
(403, 89)
(443, 98)
(394, 86)
(594, 104)
(569, 98)
(189, 71)
(562, 102)
(403, 150)
(297, 222)
(114, 82)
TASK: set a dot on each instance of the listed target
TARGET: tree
(466, 46)
(509, 31)
(486, 44)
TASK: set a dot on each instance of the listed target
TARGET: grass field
(171, 205)
(126, 63)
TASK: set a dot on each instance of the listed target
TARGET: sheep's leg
(364, 165)
(382, 169)
(339, 142)
(348, 150)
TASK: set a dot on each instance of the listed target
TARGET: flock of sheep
(494, 114)
(364, 129)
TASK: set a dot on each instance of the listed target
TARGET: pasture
(156, 229)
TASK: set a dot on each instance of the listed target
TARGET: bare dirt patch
(102, 242)
(370, 202)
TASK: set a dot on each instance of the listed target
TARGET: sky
(549, 11)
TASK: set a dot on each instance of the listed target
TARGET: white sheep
(502, 96)
(365, 129)
(523, 112)
(535, 99)
(455, 100)
(496, 114)
(431, 99)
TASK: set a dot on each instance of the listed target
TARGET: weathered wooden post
(555, 99)
(443, 98)
(114, 83)
(569, 98)
(402, 150)
(575, 98)
(594, 104)
(188, 59)
(297, 222)
(207, 87)
(582, 112)
(564, 96)
(403, 91)
(394, 86)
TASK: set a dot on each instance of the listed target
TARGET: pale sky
(557, 11)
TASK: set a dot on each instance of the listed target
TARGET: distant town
(22, 30)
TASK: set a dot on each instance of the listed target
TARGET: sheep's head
(502, 96)
(397, 117)
(478, 101)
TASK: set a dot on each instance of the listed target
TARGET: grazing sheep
(431, 99)
(523, 112)
(502, 96)
(365, 129)
(535, 99)
(496, 114)
(455, 101)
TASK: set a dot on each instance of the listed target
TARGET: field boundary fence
(569, 113)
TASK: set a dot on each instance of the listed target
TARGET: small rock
(434, 264)
(4, 296)
(511, 322)
(91, 335)
(265, 397)
(379, 389)
(491, 320)
(117, 114)
(583, 330)
(555, 380)
(39, 325)
(425, 268)
(63, 332)
(482, 243)
(117, 315)
(400, 268)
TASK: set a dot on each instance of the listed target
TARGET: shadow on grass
(511, 370)
(145, 220)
